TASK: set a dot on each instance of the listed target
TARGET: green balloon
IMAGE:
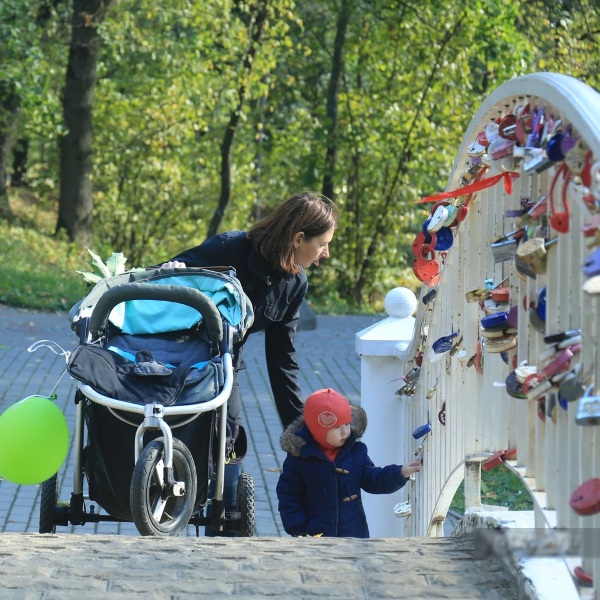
(34, 440)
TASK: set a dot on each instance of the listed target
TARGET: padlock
(572, 386)
(442, 414)
(412, 375)
(402, 509)
(407, 390)
(419, 432)
(439, 215)
(561, 336)
(496, 321)
(429, 296)
(514, 388)
(504, 249)
(585, 579)
(591, 266)
(444, 344)
(422, 240)
(426, 269)
(560, 220)
(588, 409)
(568, 141)
(524, 269)
(538, 164)
(445, 239)
(585, 500)
(523, 123)
(522, 372)
(452, 214)
(493, 461)
(532, 254)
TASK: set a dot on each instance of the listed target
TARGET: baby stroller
(154, 373)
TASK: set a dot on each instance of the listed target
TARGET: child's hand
(410, 468)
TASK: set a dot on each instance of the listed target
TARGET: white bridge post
(381, 376)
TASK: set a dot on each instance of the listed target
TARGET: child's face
(337, 436)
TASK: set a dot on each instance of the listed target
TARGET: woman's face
(309, 251)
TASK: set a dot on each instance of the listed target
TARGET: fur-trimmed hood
(292, 442)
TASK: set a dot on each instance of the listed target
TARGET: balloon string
(54, 347)
(53, 394)
(51, 346)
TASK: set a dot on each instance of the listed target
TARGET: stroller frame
(154, 419)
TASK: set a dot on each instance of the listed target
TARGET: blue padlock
(591, 266)
(499, 319)
(541, 305)
(419, 432)
(444, 344)
(445, 239)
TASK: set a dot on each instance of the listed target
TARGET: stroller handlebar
(148, 291)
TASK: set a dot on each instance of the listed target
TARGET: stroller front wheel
(154, 511)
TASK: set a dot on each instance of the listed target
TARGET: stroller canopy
(161, 316)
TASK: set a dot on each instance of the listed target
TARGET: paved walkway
(272, 564)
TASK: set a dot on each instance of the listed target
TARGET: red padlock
(584, 578)
(426, 269)
(560, 220)
(423, 240)
(493, 461)
(585, 500)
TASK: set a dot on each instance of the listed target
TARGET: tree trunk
(332, 99)
(256, 30)
(75, 201)
(9, 116)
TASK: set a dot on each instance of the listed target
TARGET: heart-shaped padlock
(425, 269)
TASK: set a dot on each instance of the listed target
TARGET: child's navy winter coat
(317, 496)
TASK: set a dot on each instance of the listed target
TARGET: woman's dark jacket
(317, 496)
(276, 298)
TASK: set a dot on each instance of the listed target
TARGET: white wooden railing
(554, 454)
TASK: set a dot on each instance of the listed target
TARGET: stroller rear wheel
(153, 511)
(48, 501)
(245, 504)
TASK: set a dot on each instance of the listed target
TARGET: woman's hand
(173, 264)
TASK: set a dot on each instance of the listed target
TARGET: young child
(319, 489)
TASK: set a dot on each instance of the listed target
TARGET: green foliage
(171, 73)
(114, 265)
(37, 271)
(500, 487)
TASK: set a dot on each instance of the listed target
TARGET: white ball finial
(400, 302)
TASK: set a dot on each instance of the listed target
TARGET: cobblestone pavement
(95, 562)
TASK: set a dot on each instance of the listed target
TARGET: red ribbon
(474, 187)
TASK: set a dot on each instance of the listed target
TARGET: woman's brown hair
(307, 212)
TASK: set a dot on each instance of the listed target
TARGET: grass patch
(500, 487)
(38, 269)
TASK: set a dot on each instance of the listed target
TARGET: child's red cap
(325, 409)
